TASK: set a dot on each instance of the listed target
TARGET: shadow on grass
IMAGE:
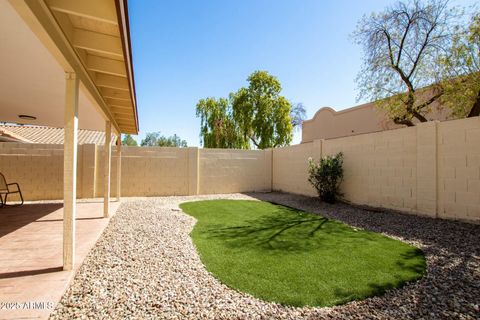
(412, 255)
(287, 229)
(417, 271)
(297, 258)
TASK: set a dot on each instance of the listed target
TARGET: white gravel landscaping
(145, 266)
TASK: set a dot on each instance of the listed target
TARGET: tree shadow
(451, 249)
(405, 263)
(286, 230)
(431, 232)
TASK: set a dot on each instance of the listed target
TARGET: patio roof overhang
(68, 63)
(89, 38)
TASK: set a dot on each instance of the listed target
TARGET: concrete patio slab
(31, 277)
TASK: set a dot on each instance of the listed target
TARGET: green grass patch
(296, 258)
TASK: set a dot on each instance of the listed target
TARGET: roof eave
(124, 25)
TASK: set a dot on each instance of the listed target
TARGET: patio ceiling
(47, 38)
(32, 82)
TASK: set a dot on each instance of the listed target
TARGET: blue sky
(187, 50)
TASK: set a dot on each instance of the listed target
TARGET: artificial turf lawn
(295, 258)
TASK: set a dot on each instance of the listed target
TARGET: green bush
(326, 176)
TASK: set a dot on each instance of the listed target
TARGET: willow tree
(255, 116)
(402, 46)
(262, 114)
(218, 129)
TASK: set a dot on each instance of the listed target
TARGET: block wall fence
(431, 169)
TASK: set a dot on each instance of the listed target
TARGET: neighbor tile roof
(49, 135)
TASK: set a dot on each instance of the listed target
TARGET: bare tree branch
(431, 100)
(402, 46)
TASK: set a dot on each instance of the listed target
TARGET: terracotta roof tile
(50, 135)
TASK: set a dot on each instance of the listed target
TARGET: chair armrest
(17, 187)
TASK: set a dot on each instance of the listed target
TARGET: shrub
(326, 176)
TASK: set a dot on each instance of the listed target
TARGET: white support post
(107, 148)
(119, 166)
(70, 169)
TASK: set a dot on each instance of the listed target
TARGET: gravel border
(145, 266)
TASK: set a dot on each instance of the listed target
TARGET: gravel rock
(145, 266)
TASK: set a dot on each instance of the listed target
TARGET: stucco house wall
(328, 123)
(366, 118)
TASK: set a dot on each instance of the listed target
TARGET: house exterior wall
(328, 123)
(366, 118)
(431, 169)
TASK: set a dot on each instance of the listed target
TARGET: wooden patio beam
(97, 42)
(112, 82)
(105, 65)
(100, 10)
(115, 94)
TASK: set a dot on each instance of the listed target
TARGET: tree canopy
(218, 129)
(402, 47)
(155, 139)
(254, 116)
(129, 141)
(462, 71)
(262, 114)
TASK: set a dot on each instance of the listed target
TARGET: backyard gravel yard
(146, 266)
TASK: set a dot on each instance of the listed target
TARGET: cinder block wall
(157, 171)
(458, 150)
(431, 169)
(38, 168)
(379, 168)
(229, 171)
(290, 168)
(147, 172)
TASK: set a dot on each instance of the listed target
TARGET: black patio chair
(6, 189)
